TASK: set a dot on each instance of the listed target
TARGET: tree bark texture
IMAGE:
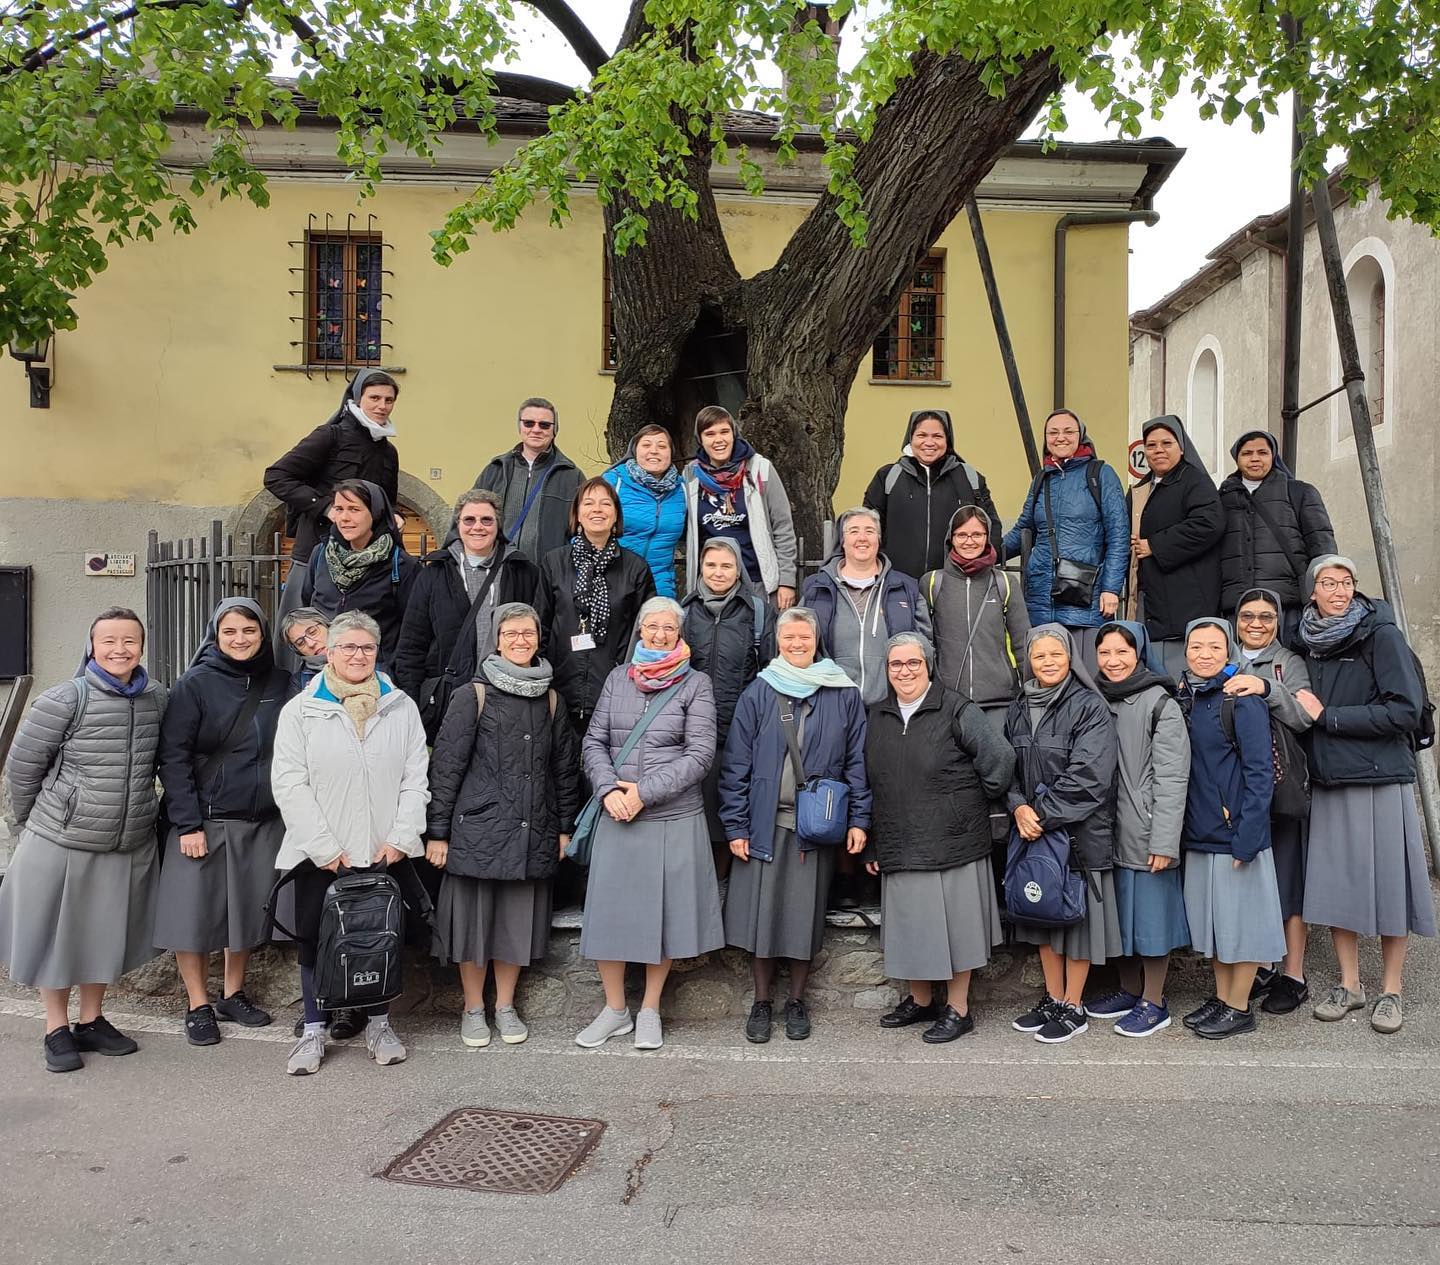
(806, 323)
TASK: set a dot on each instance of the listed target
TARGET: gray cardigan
(1152, 778)
(671, 759)
(94, 790)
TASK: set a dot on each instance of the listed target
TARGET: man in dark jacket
(353, 444)
(476, 568)
(1274, 526)
(1176, 539)
(536, 482)
(916, 496)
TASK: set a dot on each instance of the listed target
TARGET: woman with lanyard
(590, 593)
(1231, 900)
(1065, 755)
(225, 830)
(775, 907)
(731, 490)
(1270, 671)
(652, 503)
(1151, 781)
(652, 896)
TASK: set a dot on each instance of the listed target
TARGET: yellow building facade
(186, 376)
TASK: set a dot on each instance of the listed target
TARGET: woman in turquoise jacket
(652, 502)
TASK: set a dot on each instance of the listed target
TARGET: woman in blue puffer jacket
(1091, 527)
(652, 502)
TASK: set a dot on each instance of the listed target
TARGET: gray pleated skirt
(936, 923)
(1365, 868)
(1095, 938)
(487, 920)
(776, 909)
(218, 902)
(1234, 914)
(70, 917)
(652, 893)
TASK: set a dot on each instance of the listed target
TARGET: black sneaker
(910, 1011)
(797, 1019)
(1265, 980)
(200, 1026)
(100, 1036)
(757, 1027)
(345, 1024)
(1203, 1013)
(1065, 1022)
(1285, 995)
(947, 1027)
(1227, 1022)
(61, 1052)
(1038, 1016)
(237, 1008)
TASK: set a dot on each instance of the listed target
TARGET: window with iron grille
(911, 349)
(343, 296)
(609, 351)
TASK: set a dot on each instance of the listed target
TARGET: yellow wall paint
(167, 391)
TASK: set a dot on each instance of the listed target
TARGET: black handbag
(1073, 583)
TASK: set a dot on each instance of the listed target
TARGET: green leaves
(92, 90)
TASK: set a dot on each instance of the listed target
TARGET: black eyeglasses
(529, 423)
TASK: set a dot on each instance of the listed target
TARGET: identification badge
(582, 641)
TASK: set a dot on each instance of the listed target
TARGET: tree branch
(564, 19)
(38, 58)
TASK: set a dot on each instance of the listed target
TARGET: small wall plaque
(109, 564)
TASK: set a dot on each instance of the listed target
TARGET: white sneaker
(384, 1046)
(647, 1030)
(608, 1023)
(307, 1055)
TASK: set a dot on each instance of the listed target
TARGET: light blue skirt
(1234, 912)
(1152, 911)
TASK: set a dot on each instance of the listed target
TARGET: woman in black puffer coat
(504, 791)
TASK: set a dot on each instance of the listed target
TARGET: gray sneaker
(608, 1023)
(647, 1030)
(1339, 1002)
(474, 1031)
(307, 1055)
(1387, 1016)
(511, 1027)
(384, 1046)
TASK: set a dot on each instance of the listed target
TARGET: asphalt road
(1305, 1142)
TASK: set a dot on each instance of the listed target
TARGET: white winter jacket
(338, 793)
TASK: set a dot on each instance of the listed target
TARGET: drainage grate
(504, 1152)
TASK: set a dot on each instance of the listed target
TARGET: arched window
(1366, 283)
(1204, 418)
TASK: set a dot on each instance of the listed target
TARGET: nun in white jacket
(349, 774)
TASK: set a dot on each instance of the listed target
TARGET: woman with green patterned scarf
(360, 566)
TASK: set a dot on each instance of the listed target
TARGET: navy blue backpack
(1041, 890)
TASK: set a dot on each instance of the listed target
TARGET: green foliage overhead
(90, 89)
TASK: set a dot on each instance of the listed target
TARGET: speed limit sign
(1139, 466)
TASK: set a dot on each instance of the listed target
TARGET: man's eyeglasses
(352, 651)
(529, 423)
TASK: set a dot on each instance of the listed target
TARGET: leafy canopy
(90, 91)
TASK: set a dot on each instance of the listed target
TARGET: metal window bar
(609, 345)
(342, 295)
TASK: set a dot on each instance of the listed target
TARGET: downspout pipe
(1080, 219)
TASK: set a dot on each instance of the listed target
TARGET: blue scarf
(785, 678)
(656, 485)
(132, 688)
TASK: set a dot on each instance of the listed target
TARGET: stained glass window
(345, 285)
(911, 348)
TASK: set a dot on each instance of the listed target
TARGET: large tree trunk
(808, 321)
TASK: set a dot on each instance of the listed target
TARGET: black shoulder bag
(1074, 582)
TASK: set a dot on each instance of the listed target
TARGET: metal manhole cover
(505, 1152)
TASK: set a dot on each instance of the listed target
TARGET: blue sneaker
(1112, 1006)
(1144, 1020)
